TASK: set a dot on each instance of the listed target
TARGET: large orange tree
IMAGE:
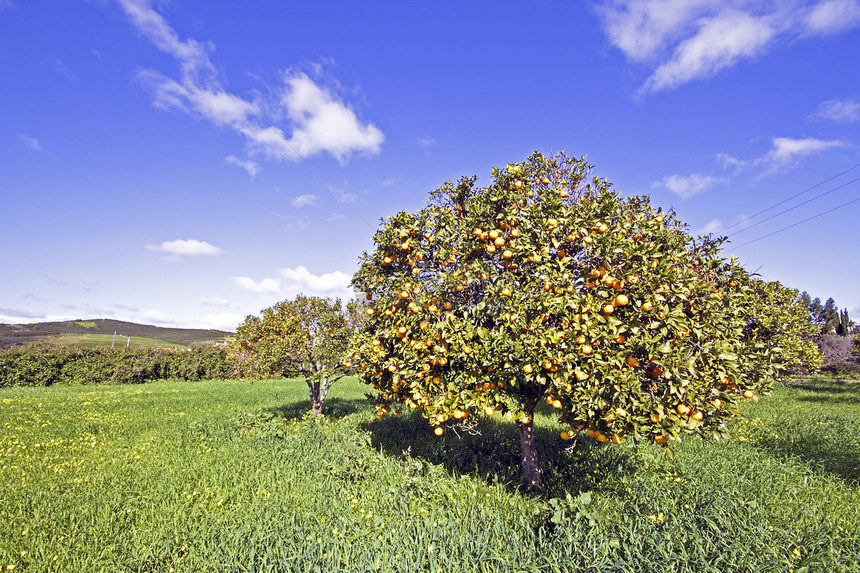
(547, 285)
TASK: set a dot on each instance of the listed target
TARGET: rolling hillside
(101, 332)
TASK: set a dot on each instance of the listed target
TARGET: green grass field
(229, 476)
(102, 340)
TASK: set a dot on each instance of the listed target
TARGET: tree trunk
(317, 394)
(530, 469)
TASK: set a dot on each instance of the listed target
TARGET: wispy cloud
(720, 42)
(18, 313)
(711, 227)
(265, 286)
(687, 40)
(787, 150)
(840, 110)
(185, 248)
(319, 121)
(832, 16)
(214, 301)
(30, 142)
(785, 154)
(65, 70)
(686, 186)
(304, 200)
(425, 142)
(251, 167)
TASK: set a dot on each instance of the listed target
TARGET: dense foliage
(546, 284)
(46, 365)
(306, 337)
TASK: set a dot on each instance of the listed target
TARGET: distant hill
(100, 331)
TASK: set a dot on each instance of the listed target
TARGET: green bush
(45, 365)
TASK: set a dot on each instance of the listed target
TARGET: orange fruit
(565, 436)
(621, 300)
(748, 394)
(682, 409)
(661, 439)
(632, 361)
(438, 431)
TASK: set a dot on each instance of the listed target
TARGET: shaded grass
(159, 477)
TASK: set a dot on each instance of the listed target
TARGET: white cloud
(334, 284)
(842, 111)
(185, 248)
(642, 29)
(720, 43)
(787, 150)
(686, 186)
(319, 121)
(686, 40)
(250, 166)
(152, 316)
(214, 301)
(265, 286)
(224, 321)
(833, 16)
(711, 227)
(322, 122)
(304, 200)
(785, 153)
(426, 142)
(30, 142)
(335, 216)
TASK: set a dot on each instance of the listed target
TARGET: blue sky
(188, 162)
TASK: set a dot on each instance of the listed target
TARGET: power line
(793, 196)
(798, 223)
(796, 206)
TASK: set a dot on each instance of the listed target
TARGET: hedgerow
(46, 365)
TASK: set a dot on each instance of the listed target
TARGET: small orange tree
(306, 337)
(547, 285)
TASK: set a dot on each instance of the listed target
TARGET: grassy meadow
(231, 476)
(101, 340)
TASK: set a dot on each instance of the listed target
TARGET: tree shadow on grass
(491, 451)
(829, 392)
(334, 408)
(821, 446)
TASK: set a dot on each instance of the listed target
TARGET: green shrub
(46, 365)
